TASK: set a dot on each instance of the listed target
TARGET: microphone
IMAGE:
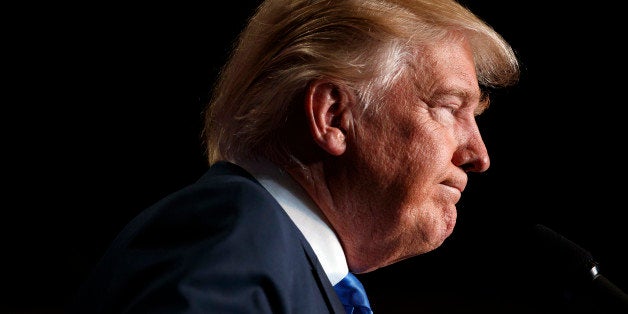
(575, 265)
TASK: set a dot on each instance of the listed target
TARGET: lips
(456, 183)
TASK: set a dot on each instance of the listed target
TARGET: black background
(103, 119)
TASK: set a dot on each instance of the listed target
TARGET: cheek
(430, 148)
(407, 153)
(428, 162)
(385, 145)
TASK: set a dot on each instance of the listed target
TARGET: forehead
(447, 67)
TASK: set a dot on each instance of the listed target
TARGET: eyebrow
(483, 101)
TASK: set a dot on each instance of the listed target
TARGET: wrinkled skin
(393, 179)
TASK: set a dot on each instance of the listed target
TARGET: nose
(472, 155)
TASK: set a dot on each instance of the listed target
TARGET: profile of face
(409, 160)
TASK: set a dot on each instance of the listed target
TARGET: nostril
(468, 167)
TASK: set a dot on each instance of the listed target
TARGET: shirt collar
(305, 214)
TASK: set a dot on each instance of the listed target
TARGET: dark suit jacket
(220, 245)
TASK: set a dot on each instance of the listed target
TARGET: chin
(447, 226)
(450, 222)
(438, 235)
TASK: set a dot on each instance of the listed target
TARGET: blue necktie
(353, 296)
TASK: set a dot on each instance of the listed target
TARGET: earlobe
(328, 115)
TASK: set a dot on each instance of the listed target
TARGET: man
(339, 135)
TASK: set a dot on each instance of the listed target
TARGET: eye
(452, 108)
(450, 103)
(448, 108)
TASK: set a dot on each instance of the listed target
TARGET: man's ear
(328, 110)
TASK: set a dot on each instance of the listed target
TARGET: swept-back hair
(364, 45)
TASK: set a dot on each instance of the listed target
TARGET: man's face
(410, 158)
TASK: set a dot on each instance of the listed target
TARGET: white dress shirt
(305, 214)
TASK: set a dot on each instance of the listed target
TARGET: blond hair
(363, 44)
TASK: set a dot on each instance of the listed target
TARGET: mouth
(455, 187)
(455, 192)
(457, 184)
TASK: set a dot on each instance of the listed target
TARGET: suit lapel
(324, 285)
